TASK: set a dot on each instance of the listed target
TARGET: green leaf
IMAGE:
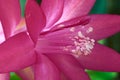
(96, 75)
(13, 76)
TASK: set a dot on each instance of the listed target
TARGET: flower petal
(45, 69)
(26, 74)
(10, 15)
(75, 8)
(5, 76)
(35, 19)
(69, 66)
(104, 26)
(15, 50)
(101, 58)
(53, 10)
(60, 38)
(66, 39)
(2, 36)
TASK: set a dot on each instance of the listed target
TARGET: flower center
(82, 45)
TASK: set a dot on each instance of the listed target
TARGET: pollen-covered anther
(72, 29)
(90, 29)
(82, 45)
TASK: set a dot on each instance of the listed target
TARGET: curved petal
(35, 19)
(45, 69)
(2, 36)
(5, 76)
(10, 15)
(101, 58)
(26, 74)
(61, 38)
(104, 26)
(75, 8)
(69, 66)
(53, 10)
(15, 50)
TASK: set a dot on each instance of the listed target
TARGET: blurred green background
(100, 7)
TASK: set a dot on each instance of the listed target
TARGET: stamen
(90, 29)
(72, 29)
(80, 34)
(82, 45)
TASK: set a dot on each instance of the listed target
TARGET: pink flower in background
(60, 41)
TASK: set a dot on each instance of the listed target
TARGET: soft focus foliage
(14, 76)
(102, 75)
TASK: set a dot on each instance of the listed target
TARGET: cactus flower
(60, 40)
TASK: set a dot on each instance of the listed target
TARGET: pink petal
(104, 26)
(10, 15)
(45, 69)
(102, 58)
(61, 36)
(53, 11)
(75, 8)
(69, 66)
(5, 76)
(35, 19)
(26, 74)
(16, 53)
(63, 77)
(2, 36)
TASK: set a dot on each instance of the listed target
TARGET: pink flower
(10, 22)
(60, 41)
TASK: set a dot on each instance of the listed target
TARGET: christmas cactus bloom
(11, 23)
(60, 42)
